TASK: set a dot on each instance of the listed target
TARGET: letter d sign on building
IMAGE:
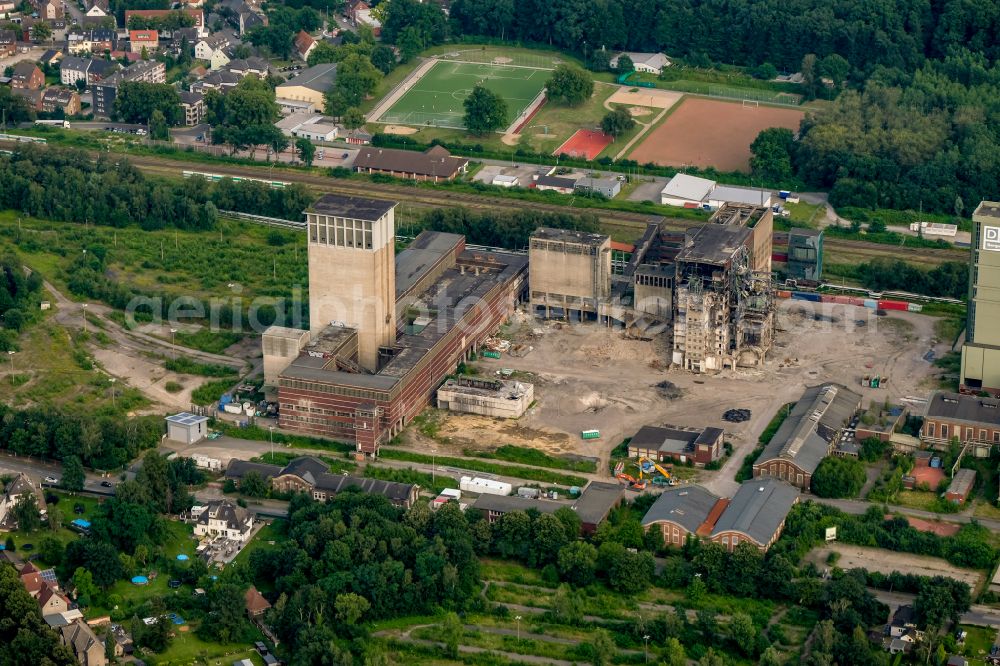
(991, 238)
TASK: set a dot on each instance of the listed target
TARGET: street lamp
(84, 306)
(517, 618)
(113, 380)
(10, 355)
(433, 465)
(645, 640)
(172, 350)
(271, 432)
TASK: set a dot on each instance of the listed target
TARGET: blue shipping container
(869, 303)
(806, 296)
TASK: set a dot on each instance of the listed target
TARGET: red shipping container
(784, 294)
(826, 298)
(892, 305)
(857, 300)
(778, 256)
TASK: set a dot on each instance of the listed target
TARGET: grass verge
(528, 473)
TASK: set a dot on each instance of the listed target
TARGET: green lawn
(978, 643)
(187, 648)
(275, 531)
(437, 98)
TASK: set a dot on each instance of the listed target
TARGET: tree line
(100, 441)
(19, 298)
(68, 185)
(503, 229)
(920, 140)
(882, 34)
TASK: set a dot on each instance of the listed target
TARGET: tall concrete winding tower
(352, 271)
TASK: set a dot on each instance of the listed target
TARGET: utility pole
(10, 355)
(84, 306)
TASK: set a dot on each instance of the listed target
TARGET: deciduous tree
(485, 111)
(569, 85)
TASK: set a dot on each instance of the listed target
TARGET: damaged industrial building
(710, 288)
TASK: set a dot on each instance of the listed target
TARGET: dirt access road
(588, 376)
(887, 561)
(132, 356)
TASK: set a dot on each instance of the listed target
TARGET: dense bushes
(838, 477)
(102, 442)
(67, 185)
(510, 229)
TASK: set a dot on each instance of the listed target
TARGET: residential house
(700, 446)
(27, 76)
(808, 434)
(223, 519)
(241, 15)
(650, 63)
(304, 44)
(221, 81)
(19, 487)
(31, 578)
(310, 475)
(8, 6)
(54, 99)
(310, 84)
(755, 514)
(434, 164)
(98, 10)
(253, 65)
(194, 107)
(48, 10)
(52, 601)
(51, 57)
(971, 419)
(143, 39)
(98, 40)
(360, 13)
(105, 91)
(213, 50)
(255, 603)
(100, 69)
(86, 646)
(902, 620)
(8, 43)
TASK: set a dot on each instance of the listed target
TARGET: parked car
(107, 484)
(51, 479)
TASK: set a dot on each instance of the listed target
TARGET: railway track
(627, 224)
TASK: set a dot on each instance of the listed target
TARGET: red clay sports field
(587, 144)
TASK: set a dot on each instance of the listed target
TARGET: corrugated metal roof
(758, 509)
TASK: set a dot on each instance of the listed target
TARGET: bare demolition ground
(588, 376)
(887, 561)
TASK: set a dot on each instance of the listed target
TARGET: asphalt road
(858, 507)
(979, 615)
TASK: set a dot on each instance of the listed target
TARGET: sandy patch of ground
(511, 139)
(589, 376)
(503, 60)
(887, 561)
(399, 129)
(639, 111)
(149, 377)
(654, 97)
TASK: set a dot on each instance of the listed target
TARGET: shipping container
(870, 303)
(856, 300)
(806, 296)
(891, 305)
(779, 256)
(842, 300)
(491, 354)
(784, 293)
(914, 307)
(590, 434)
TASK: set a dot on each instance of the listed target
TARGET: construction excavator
(646, 467)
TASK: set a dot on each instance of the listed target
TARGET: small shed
(961, 486)
(187, 428)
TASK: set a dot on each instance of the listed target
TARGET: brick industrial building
(970, 419)
(808, 434)
(385, 329)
